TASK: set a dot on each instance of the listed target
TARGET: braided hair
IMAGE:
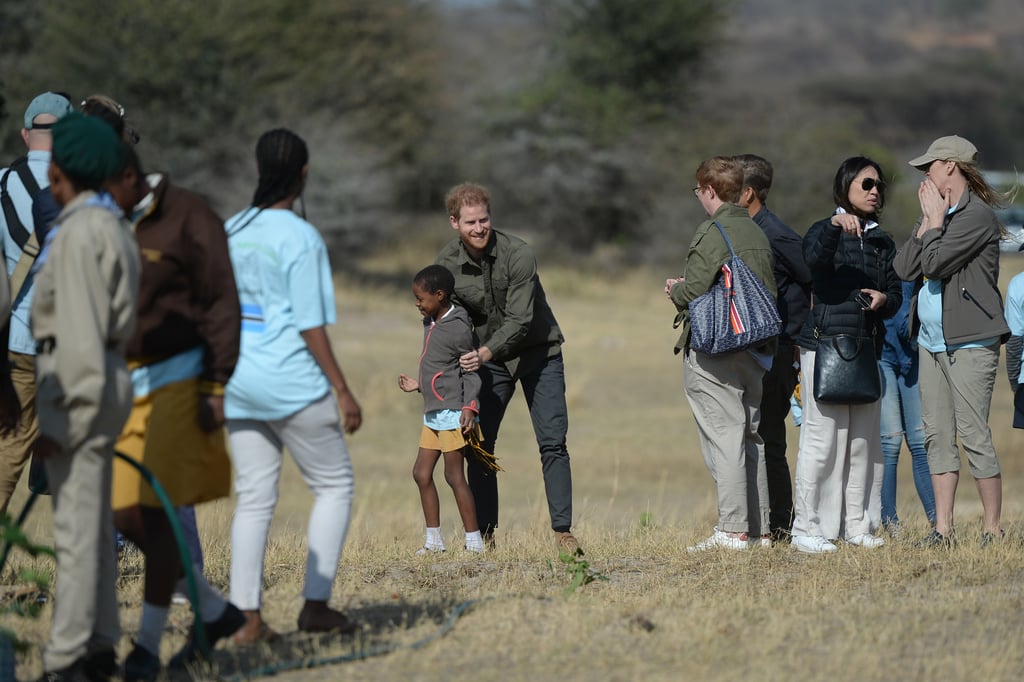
(280, 158)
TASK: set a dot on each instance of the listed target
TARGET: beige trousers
(838, 480)
(956, 396)
(724, 392)
(85, 609)
(15, 448)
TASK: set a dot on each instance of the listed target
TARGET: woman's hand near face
(933, 206)
(849, 223)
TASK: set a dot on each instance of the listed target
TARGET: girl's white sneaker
(427, 549)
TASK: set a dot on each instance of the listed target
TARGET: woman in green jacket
(724, 391)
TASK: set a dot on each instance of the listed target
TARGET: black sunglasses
(867, 184)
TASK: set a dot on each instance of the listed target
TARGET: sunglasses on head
(867, 184)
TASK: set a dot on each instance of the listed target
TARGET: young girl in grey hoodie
(449, 401)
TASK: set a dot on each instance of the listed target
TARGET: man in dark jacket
(793, 279)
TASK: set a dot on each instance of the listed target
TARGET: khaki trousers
(16, 447)
(838, 481)
(956, 395)
(85, 609)
(724, 393)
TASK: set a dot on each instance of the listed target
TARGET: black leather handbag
(845, 368)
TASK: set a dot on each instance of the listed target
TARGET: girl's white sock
(474, 542)
(434, 540)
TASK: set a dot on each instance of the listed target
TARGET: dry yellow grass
(641, 495)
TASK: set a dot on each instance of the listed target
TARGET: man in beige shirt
(89, 272)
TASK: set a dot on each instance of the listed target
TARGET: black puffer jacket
(841, 265)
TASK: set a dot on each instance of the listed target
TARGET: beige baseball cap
(948, 148)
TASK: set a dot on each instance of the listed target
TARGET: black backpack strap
(25, 174)
(19, 233)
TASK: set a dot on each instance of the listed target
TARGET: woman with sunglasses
(953, 258)
(839, 464)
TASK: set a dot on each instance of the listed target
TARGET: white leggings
(314, 438)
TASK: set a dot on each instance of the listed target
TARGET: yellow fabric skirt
(445, 441)
(162, 433)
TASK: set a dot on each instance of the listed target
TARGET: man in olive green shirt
(519, 341)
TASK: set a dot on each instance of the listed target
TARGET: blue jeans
(187, 519)
(901, 417)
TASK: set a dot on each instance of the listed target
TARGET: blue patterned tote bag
(737, 312)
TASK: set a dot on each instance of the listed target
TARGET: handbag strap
(728, 243)
(824, 323)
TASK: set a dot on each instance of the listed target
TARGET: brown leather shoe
(566, 542)
(318, 617)
(254, 630)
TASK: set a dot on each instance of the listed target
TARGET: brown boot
(316, 616)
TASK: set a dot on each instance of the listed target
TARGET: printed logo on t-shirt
(252, 318)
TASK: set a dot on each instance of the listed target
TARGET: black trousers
(544, 389)
(778, 385)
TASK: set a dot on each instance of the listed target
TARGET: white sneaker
(812, 544)
(763, 541)
(721, 539)
(866, 540)
(179, 598)
(429, 549)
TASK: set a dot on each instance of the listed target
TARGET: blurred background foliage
(587, 118)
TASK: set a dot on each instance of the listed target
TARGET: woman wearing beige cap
(953, 258)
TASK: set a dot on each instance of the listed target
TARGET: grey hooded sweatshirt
(443, 383)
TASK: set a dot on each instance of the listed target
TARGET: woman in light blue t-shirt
(286, 389)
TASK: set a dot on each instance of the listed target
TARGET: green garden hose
(201, 641)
